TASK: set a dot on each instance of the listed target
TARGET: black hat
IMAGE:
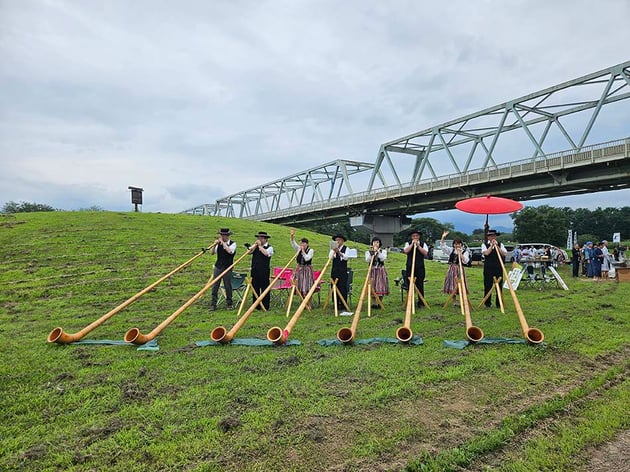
(338, 236)
(262, 234)
(225, 231)
(304, 240)
(493, 232)
(414, 231)
(377, 239)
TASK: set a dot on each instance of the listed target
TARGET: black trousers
(488, 282)
(227, 285)
(342, 284)
(260, 282)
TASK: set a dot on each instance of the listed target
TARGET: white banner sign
(616, 237)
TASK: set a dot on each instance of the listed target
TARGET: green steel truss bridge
(536, 146)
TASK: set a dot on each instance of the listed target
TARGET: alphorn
(279, 336)
(57, 335)
(473, 333)
(136, 337)
(533, 335)
(404, 333)
(346, 335)
(221, 335)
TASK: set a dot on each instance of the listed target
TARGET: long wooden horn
(57, 335)
(346, 335)
(404, 333)
(136, 337)
(279, 336)
(221, 335)
(533, 335)
(473, 333)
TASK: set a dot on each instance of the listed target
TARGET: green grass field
(512, 407)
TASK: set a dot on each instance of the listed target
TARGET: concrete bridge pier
(382, 226)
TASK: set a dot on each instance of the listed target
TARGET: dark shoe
(376, 307)
(230, 306)
(213, 307)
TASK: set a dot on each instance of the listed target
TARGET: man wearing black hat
(421, 251)
(225, 249)
(339, 269)
(261, 253)
(492, 250)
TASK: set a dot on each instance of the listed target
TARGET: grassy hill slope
(307, 407)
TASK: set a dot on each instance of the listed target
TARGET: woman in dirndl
(303, 274)
(378, 274)
(452, 274)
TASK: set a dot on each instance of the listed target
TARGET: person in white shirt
(225, 249)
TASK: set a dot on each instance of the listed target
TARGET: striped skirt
(303, 277)
(380, 282)
(449, 281)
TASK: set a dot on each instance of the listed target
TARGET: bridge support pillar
(382, 226)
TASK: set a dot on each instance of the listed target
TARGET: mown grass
(307, 407)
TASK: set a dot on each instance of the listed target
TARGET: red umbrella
(488, 205)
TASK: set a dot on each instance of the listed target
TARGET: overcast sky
(195, 100)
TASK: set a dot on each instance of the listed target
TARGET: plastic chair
(281, 287)
(238, 287)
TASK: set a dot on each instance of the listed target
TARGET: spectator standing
(575, 259)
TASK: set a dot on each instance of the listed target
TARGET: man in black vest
(339, 269)
(225, 249)
(492, 265)
(421, 251)
(261, 253)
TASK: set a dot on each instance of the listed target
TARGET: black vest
(339, 265)
(377, 262)
(260, 262)
(453, 258)
(419, 257)
(224, 259)
(491, 261)
(300, 258)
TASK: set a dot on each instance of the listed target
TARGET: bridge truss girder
(318, 184)
(476, 136)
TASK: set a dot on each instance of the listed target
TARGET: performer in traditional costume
(422, 251)
(452, 274)
(492, 250)
(225, 249)
(261, 253)
(378, 274)
(303, 274)
(339, 269)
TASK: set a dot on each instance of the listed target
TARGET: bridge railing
(546, 163)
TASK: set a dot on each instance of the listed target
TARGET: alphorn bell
(279, 336)
(533, 335)
(404, 333)
(57, 335)
(346, 335)
(473, 333)
(221, 335)
(136, 337)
